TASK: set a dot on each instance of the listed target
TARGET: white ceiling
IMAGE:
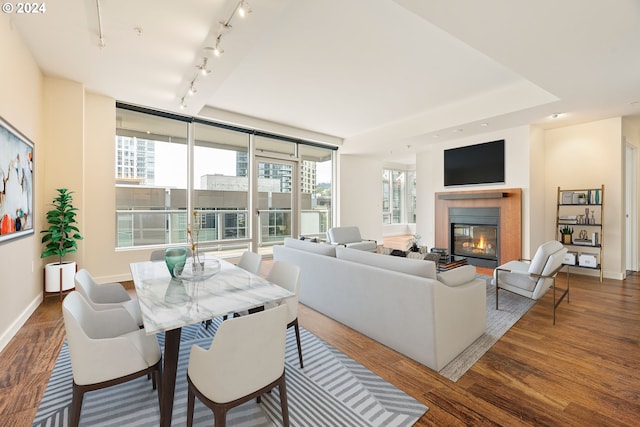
(380, 74)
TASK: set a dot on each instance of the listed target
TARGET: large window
(398, 196)
(167, 166)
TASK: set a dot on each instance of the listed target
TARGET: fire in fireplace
(474, 235)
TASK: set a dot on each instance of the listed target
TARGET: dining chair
(287, 275)
(250, 261)
(245, 360)
(106, 296)
(106, 348)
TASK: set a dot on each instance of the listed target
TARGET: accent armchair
(350, 237)
(533, 279)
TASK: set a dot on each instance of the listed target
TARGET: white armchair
(106, 296)
(350, 237)
(106, 348)
(533, 279)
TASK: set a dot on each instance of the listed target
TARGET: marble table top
(169, 303)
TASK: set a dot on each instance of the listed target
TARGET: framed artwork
(16, 183)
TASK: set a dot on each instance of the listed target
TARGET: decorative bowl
(197, 271)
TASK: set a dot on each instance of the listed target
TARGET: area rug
(512, 308)
(332, 389)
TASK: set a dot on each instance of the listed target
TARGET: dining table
(168, 303)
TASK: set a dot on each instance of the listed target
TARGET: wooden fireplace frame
(508, 200)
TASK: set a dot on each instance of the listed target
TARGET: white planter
(52, 276)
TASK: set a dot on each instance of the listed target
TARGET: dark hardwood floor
(585, 371)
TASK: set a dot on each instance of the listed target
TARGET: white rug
(512, 308)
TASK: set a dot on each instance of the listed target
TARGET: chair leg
(220, 416)
(191, 401)
(76, 405)
(283, 401)
(297, 328)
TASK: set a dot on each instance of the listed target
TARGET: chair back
(342, 235)
(246, 354)
(86, 286)
(287, 275)
(546, 261)
(251, 262)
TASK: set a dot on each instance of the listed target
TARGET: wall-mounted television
(474, 164)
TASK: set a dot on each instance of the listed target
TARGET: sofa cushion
(308, 246)
(402, 265)
(458, 276)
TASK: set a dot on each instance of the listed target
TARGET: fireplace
(475, 235)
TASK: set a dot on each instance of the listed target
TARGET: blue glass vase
(173, 257)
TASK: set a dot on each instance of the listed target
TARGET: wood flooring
(585, 371)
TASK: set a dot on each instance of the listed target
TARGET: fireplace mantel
(509, 201)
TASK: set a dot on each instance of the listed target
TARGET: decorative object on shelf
(582, 198)
(60, 239)
(566, 233)
(173, 257)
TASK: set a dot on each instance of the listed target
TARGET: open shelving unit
(583, 211)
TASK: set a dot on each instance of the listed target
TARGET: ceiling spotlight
(203, 67)
(243, 9)
(183, 105)
(217, 50)
(192, 89)
(555, 115)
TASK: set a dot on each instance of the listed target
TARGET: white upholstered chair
(107, 296)
(106, 348)
(349, 236)
(250, 261)
(533, 279)
(245, 360)
(287, 275)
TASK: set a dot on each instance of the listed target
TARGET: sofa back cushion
(342, 235)
(402, 265)
(308, 246)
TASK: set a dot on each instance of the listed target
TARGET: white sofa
(400, 302)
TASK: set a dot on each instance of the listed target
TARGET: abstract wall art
(16, 183)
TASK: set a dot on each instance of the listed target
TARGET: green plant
(61, 237)
(566, 230)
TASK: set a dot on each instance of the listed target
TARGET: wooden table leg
(171, 350)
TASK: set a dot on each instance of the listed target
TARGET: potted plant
(566, 233)
(60, 239)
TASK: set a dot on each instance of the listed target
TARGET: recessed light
(555, 115)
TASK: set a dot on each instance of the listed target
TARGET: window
(398, 196)
(169, 165)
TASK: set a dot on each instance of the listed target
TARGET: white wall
(360, 194)
(21, 86)
(430, 177)
(587, 156)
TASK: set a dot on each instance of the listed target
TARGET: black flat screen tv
(474, 164)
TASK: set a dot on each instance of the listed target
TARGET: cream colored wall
(360, 194)
(631, 136)
(587, 156)
(21, 86)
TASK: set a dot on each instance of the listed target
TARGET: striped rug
(331, 390)
(512, 308)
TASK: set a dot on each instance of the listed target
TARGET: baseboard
(7, 335)
(113, 278)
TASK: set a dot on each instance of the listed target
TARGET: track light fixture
(204, 70)
(242, 9)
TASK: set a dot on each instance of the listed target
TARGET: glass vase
(174, 256)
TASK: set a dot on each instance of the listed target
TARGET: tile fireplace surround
(509, 201)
